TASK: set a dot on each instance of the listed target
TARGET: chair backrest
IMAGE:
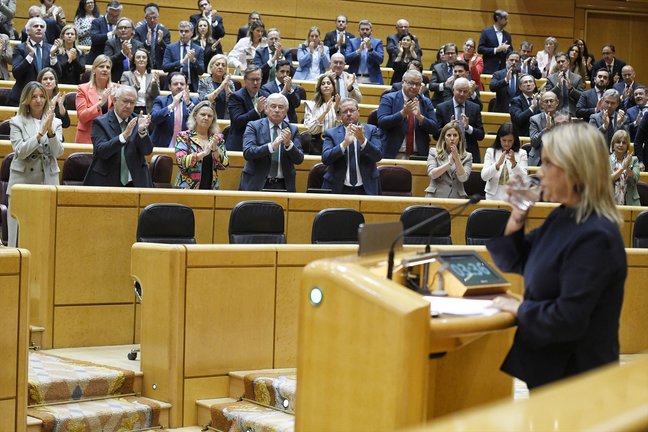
(437, 232)
(75, 168)
(70, 101)
(336, 225)
(395, 180)
(85, 77)
(257, 222)
(5, 170)
(5, 95)
(372, 118)
(475, 184)
(485, 223)
(166, 223)
(225, 132)
(161, 169)
(640, 231)
(301, 91)
(316, 179)
(5, 128)
(642, 188)
(305, 139)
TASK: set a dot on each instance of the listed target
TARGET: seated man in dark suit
(120, 142)
(102, 29)
(271, 149)
(543, 122)
(505, 83)
(185, 56)
(336, 40)
(253, 17)
(153, 35)
(398, 86)
(524, 106)
(467, 113)
(170, 113)
(245, 105)
(30, 57)
(590, 101)
(215, 20)
(443, 73)
(626, 87)
(495, 43)
(266, 57)
(567, 85)
(402, 27)
(609, 62)
(283, 84)
(407, 120)
(641, 143)
(121, 47)
(350, 152)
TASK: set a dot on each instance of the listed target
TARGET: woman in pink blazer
(93, 98)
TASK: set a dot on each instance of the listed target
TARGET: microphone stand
(474, 199)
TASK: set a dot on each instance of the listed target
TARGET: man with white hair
(52, 28)
(271, 149)
(402, 27)
(30, 57)
(185, 56)
(610, 119)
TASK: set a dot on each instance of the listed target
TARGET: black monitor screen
(471, 269)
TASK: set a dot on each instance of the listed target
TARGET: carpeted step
(106, 415)
(273, 387)
(231, 415)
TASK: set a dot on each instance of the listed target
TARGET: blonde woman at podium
(574, 265)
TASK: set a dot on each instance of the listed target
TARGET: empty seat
(257, 222)
(5, 170)
(316, 179)
(640, 231)
(166, 223)
(485, 223)
(5, 130)
(336, 225)
(5, 96)
(642, 188)
(475, 184)
(395, 180)
(437, 232)
(372, 118)
(75, 168)
(70, 101)
(161, 169)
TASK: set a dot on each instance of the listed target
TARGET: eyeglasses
(414, 84)
(349, 111)
(254, 80)
(469, 45)
(124, 27)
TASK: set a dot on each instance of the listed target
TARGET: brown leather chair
(395, 180)
(75, 168)
(642, 188)
(5, 94)
(5, 130)
(161, 169)
(5, 169)
(475, 184)
(316, 179)
(372, 118)
(70, 101)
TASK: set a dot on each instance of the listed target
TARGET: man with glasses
(402, 27)
(245, 105)
(120, 48)
(525, 105)
(266, 57)
(345, 83)
(442, 73)
(336, 40)
(407, 120)
(626, 87)
(567, 85)
(610, 119)
(215, 20)
(185, 56)
(610, 62)
(541, 123)
(350, 153)
(120, 143)
(153, 35)
(102, 29)
(505, 83)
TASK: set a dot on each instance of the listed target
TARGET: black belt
(363, 75)
(273, 180)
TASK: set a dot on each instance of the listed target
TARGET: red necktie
(409, 138)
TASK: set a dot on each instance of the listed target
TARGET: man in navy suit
(402, 27)
(120, 142)
(166, 108)
(267, 57)
(245, 105)
(215, 20)
(626, 87)
(466, 113)
(30, 57)
(495, 43)
(364, 55)
(407, 119)
(590, 101)
(524, 106)
(102, 29)
(443, 73)
(350, 152)
(336, 40)
(153, 35)
(505, 83)
(52, 28)
(121, 48)
(271, 149)
(283, 84)
(609, 62)
(185, 56)
(636, 113)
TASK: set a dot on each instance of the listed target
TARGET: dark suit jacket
(629, 102)
(641, 141)
(392, 49)
(618, 65)
(114, 51)
(162, 119)
(537, 125)
(24, 72)
(294, 99)
(172, 63)
(499, 85)
(330, 40)
(261, 57)
(52, 31)
(521, 114)
(575, 91)
(394, 125)
(439, 76)
(258, 157)
(445, 111)
(374, 59)
(157, 54)
(632, 114)
(218, 29)
(597, 120)
(241, 111)
(71, 72)
(487, 44)
(105, 169)
(99, 37)
(336, 160)
(586, 105)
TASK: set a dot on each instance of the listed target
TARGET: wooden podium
(371, 357)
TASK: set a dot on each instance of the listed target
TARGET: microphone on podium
(474, 199)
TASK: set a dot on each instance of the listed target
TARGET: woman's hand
(501, 160)
(60, 101)
(510, 155)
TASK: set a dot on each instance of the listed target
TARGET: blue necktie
(39, 58)
(512, 86)
(353, 174)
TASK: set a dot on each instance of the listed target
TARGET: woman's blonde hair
(101, 59)
(441, 144)
(213, 61)
(579, 149)
(26, 96)
(618, 136)
(61, 50)
(191, 121)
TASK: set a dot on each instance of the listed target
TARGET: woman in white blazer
(503, 160)
(36, 136)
